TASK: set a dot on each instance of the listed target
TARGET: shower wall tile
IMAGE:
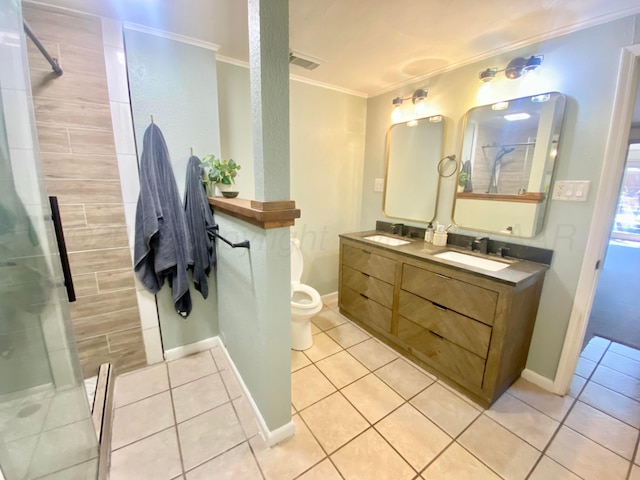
(147, 307)
(94, 142)
(77, 59)
(59, 166)
(77, 86)
(116, 74)
(65, 27)
(115, 280)
(92, 352)
(88, 327)
(82, 191)
(112, 33)
(104, 303)
(73, 216)
(128, 167)
(53, 139)
(73, 117)
(153, 345)
(126, 341)
(99, 260)
(85, 285)
(112, 214)
(37, 60)
(72, 113)
(96, 238)
(123, 128)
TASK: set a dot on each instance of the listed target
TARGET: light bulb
(485, 93)
(419, 109)
(396, 115)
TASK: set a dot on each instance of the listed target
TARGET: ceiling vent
(304, 61)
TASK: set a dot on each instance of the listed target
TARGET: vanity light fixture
(514, 69)
(500, 106)
(417, 99)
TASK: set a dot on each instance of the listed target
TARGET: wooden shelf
(529, 197)
(265, 215)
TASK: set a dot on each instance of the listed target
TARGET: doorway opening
(614, 313)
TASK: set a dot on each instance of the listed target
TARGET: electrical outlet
(378, 185)
(571, 190)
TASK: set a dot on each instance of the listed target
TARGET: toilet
(305, 302)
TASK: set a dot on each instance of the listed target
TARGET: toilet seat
(314, 297)
(302, 309)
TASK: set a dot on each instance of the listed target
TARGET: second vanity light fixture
(417, 98)
(514, 69)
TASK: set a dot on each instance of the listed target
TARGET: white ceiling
(371, 46)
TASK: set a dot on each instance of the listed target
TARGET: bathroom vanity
(470, 325)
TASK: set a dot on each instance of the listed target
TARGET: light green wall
(582, 65)
(176, 83)
(254, 313)
(327, 152)
(253, 284)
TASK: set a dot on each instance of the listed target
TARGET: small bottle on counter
(440, 237)
(428, 233)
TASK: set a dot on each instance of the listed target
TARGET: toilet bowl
(305, 302)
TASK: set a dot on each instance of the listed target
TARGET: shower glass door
(46, 429)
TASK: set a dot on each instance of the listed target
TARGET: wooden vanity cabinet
(470, 330)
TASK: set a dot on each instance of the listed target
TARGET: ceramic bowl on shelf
(230, 194)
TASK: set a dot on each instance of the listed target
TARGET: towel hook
(151, 116)
(191, 151)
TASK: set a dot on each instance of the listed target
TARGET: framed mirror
(411, 184)
(509, 151)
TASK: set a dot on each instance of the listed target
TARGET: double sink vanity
(466, 316)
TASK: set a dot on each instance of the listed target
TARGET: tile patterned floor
(363, 412)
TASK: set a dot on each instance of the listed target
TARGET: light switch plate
(378, 185)
(571, 190)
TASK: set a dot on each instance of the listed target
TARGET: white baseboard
(186, 350)
(537, 379)
(330, 298)
(271, 437)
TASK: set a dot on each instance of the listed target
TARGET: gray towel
(162, 245)
(199, 222)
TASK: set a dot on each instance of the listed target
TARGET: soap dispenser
(428, 233)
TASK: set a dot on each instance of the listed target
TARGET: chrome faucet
(396, 228)
(481, 244)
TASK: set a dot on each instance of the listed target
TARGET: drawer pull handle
(439, 307)
(364, 296)
(442, 276)
(365, 274)
(364, 251)
(436, 335)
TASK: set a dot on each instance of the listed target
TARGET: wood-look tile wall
(80, 166)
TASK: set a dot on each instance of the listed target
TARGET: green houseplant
(221, 173)
(463, 178)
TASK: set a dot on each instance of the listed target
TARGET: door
(46, 427)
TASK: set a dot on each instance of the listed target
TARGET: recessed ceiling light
(517, 116)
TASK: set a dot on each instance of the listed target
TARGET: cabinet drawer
(364, 309)
(470, 300)
(465, 332)
(442, 354)
(370, 286)
(375, 265)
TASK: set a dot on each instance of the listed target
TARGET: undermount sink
(472, 261)
(393, 242)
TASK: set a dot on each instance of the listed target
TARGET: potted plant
(463, 178)
(220, 173)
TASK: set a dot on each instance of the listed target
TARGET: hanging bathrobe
(200, 223)
(162, 244)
